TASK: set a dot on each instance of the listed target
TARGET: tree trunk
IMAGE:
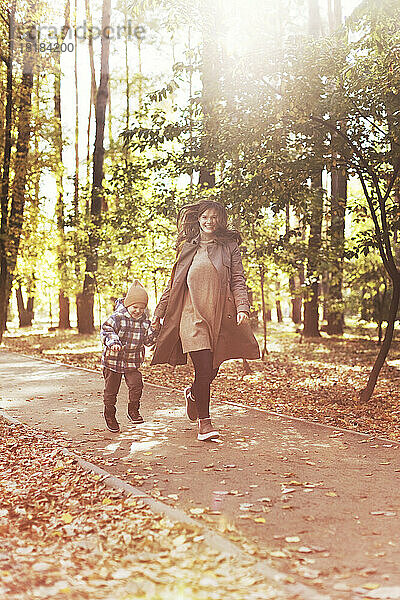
(367, 392)
(5, 179)
(86, 298)
(379, 333)
(93, 85)
(311, 304)
(11, 234)
(325, 293)
(292, 280)
(63, 304)
(264, 313)
(25, 315)
(297, 280)
(278, 303)
(311, 312)
(295, 284)
(335, 314)
(334, 304)
(76, 175)
(76, 140)
(381, 315)
(63, 311)
(84, 313)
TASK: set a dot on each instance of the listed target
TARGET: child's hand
(241, 317)
(116, 347)
(155, 324)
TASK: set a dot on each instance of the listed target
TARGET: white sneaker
(206, 431)
(191, 410)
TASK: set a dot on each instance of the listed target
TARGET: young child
(124, 335)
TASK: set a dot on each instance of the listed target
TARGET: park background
(115, 114)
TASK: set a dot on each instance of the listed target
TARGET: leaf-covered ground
(317, 380)
(63, 534)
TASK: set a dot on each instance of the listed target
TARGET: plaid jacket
(132, 335)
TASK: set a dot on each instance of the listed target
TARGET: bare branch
(370, 121)
(391, 269)
(340, 133)
(392, 181)
(4, 58)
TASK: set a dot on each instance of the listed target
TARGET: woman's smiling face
(208, 221)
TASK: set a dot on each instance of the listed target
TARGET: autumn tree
(359, 91)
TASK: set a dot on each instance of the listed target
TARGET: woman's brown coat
(231, 340)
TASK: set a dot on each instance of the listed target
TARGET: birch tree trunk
(93, 85)
(86, 298)
(63, 300)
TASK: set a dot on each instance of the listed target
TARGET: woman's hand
(241, 317)
(155, 324)
(116, 347)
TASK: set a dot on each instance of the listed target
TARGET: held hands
(241, 317)
(155, 324)
(116, 347)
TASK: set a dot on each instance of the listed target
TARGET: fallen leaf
(371, 586)
(67, 518)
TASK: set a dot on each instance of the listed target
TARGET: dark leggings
(204, 374)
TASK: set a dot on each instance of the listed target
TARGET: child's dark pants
(134, 381)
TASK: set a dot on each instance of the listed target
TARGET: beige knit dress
(198, 320)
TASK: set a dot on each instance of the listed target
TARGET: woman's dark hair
(189, 228)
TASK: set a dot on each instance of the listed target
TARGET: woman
(205, 307)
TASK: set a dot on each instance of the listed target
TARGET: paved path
(323, 504)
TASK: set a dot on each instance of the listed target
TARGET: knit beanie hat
(136, 294)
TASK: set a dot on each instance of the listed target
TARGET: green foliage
(371, 288)
(273, 117)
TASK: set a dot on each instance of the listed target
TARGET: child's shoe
(134, 415)
(206, 430)
(111, 422)
(191, 410)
